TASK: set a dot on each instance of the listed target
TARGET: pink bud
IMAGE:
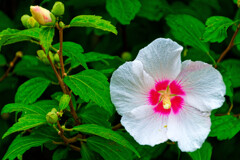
(41, 15)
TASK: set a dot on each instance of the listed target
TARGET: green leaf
(93, 21)
(188, 30)
(86, 153)
(10, 36)
(26, 122)
(108, 149)
(31, 90)
(22, 144)
(93, 114)
(31, 67)
(91, 84)
(123, 10)
(204, 153)
(232, 68)
(73, 51)
(153, 10)
(95, 56)
(46, 37)
(224, 127)
(46, 131)
(2, 60)
(64, 101)
(60, 153)
(105, 133)
(40, 107)
(216, 30)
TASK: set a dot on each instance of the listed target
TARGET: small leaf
(91, 84)
(224, 127)
(73, 51)
(93, 114)
(123, 10)
(216, 30)
(108, 149)
(64, 101)
(22, 144)
(95, 56)
(46, 37)
(31, 67)
(31, 90)
(153, 10)
(204, 153)
(105, 133)
(93, 21)
(26, 122)
(188, 30)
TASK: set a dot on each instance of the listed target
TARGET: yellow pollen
(166, 102)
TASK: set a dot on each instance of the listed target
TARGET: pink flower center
(166, 97)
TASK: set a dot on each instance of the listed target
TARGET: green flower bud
(32, 23)
(52, 117)
(43, 57)
(56, 58)
(126, 56)
(24, 20)
(61, 24)
(58, 9)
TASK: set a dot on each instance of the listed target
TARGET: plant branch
(11, 65)
(116, 127)
(230, 45)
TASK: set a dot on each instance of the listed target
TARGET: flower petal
(161, 59)
(190, 127)
(129, 87)
(145, 126)
(203, 85)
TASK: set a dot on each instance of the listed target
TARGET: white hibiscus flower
(160, 98)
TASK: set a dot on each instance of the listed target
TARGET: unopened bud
(19, 53)
(52, 116)
(24, 20)
(43, 57)
(42, 15)
(32, 23)
(58, 9)
(56, 58)
(126, 56)
(61, 24)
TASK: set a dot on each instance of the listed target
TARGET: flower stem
(11, 65)
(116, 127)
(230, 45)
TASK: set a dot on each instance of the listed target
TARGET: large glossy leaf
(22, 144)
(105, 133)
(123, 10)
(216, 30)
(26, 122)
(93, 21)
(91, 84)
(31, 90)
(74, 52)
(46, 37)
(108, 149)
(188, 30)
(93, 114)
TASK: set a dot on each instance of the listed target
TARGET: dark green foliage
(91, 53)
